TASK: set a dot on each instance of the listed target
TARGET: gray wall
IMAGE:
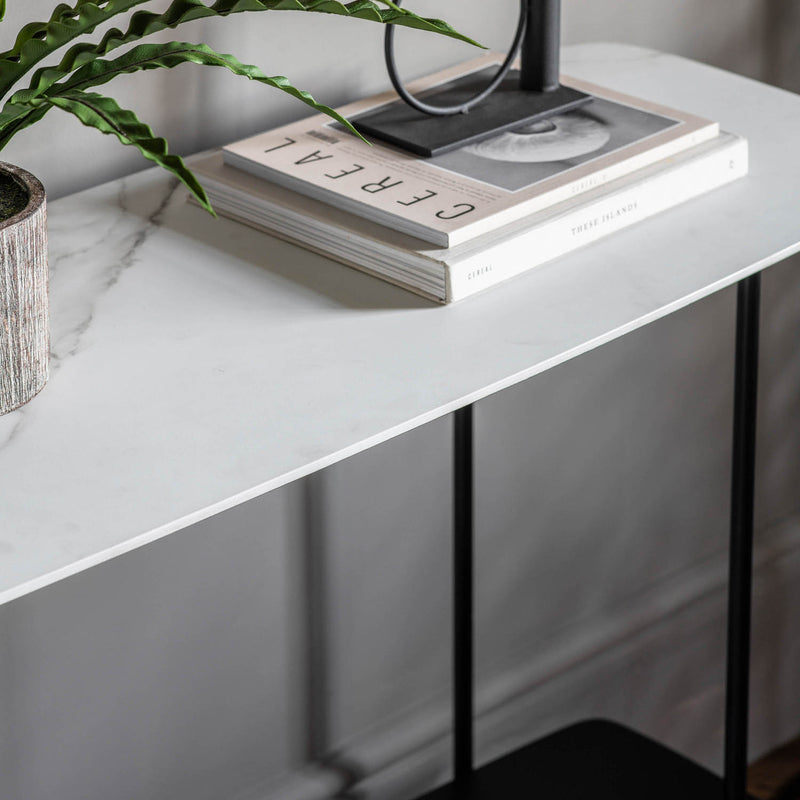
(299, 643)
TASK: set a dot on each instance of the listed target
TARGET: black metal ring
(444, 111)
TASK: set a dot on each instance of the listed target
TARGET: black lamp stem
(541, 47)
(440, 123)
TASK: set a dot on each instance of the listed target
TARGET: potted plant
(69, 85)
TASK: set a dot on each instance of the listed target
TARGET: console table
(214, 365)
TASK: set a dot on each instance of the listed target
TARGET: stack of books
(449, 226)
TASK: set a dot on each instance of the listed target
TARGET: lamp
(465, 111)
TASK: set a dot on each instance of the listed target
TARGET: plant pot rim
(36, 193)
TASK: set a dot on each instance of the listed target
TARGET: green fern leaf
(23, 110)
(13, 119)
(171, 54)
(2, 9)
(38, 40)
(104, 114)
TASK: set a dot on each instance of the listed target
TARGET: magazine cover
(449, 199)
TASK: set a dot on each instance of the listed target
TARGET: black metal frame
(741, 542)
(469, 110)
(463, 595)
(740, 558)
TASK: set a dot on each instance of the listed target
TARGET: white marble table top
(198, 364)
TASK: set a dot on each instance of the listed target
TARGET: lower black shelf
(595, 759)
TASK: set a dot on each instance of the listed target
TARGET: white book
(452, 198)
(449, 274)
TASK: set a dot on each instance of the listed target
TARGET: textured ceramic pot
(24, 316)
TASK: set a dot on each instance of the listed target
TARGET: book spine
(589, 222)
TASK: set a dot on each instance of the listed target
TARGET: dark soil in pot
(13, 196)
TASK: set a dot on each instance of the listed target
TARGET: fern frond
(23, 109)
(38, 40)
(13, 119)
(105, 115)
(171, 54)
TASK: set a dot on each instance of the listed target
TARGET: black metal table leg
(463, 556)
(741, 542)
(597, 758)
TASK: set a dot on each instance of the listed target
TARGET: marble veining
(69, 327)
(198, 363)
(105, 274)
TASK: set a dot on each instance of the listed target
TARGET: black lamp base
(508, 107)
(599, 760)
